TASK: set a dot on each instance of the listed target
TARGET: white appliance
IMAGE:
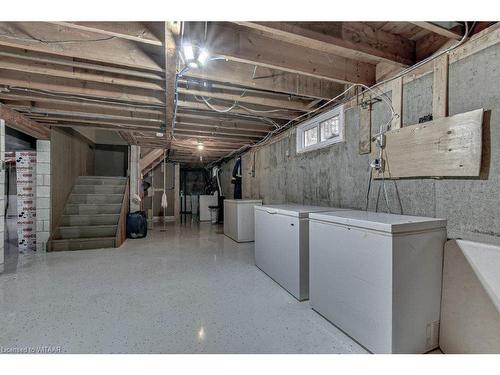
(204, 202)
(282, 245)
(378, 277)
(239, 218)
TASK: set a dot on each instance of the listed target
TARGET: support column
(43, 202)
(2, 192)
(135, 176)
(177, 185)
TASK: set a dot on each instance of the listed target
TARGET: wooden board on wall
(446, 147)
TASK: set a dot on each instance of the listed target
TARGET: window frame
(315, 123)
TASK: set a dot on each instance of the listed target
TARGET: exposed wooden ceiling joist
(65, 61)
(172, 29)
(22, 123)
(223, 121)
(90, 106)
(263, 78)
(135, 31)
(450, 34)
(251, 48)
(278, 103)
(73, 113)
(22, 65)
(202, 106)
(63, 41)
(74, 87)
(217, 131)
(354, 40)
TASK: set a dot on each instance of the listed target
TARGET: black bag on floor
(137, 225)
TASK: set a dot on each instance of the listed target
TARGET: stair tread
(106, 194)
(88, 226)
(83, 239)
(115, 177)
(90, 215)
(93, 204)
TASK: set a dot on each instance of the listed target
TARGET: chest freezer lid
(383, 222)
(243, 201)
(295, 210)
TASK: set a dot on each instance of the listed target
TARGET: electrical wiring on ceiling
(65, 95)
(67, 41)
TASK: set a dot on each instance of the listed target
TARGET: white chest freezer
(378, 277)
(282, 245)
(239, 219)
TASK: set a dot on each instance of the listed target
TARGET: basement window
(321, 131)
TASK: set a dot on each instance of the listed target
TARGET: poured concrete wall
(338, 176)
(111, 160)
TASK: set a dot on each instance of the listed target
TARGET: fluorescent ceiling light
(193, 64)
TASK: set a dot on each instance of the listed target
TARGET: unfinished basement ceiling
(124, 77)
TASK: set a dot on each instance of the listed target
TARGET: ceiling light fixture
(195, 56)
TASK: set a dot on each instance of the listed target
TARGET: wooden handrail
(121, 231)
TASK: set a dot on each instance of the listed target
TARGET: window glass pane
(329, 128)
(311, 137)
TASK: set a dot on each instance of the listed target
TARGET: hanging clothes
(236, 179)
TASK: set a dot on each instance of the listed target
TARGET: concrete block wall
(43, 204)
(337, 176)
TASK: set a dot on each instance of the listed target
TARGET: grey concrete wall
(338, 175)
(111, 160)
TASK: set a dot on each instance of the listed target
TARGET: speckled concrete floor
(187, 290)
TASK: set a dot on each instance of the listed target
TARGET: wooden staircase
(93, 215)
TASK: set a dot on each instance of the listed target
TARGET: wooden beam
(450, 34)
(440, 88)
(20, 65)
(262, 78)
(354, 40)
(171, 31)
(229, 126)
(279, 103)
(82, 111)
(92, 125)
(134, 31)
(235, 127)
(65, 61)
(22, 123)
(219, 119)
(75, 104)
(73, 87)
(127, 137)
(75, 114)
(44, 37)
(181, 133)
(148, 159)
(202, 106)
(252, 48)
(214, 130)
